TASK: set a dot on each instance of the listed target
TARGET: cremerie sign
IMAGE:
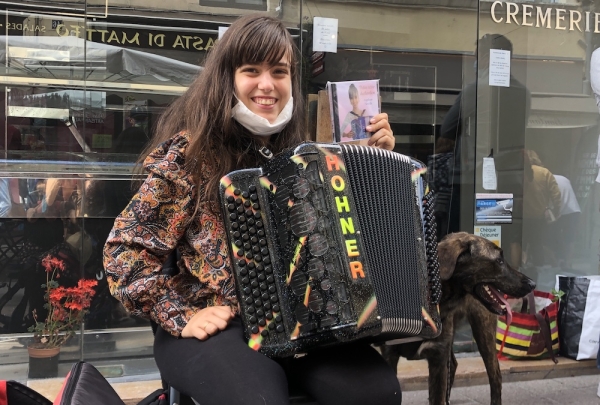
(529, 15)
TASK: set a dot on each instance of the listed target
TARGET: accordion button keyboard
(230, 199)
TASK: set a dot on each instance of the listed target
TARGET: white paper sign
(491, 233)
(489, 174)
(325, 33)
(499, 68)
(222, 31)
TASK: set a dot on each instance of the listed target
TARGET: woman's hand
(208, 322)
(382, 137)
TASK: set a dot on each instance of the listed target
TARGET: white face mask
(258, 125)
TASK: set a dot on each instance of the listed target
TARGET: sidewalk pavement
(524, 382)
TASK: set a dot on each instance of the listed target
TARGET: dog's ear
(449, 248)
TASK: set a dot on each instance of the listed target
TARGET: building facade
(496, 97)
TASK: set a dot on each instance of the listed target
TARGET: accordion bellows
(332, 243)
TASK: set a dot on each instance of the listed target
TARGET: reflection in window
(247, 4)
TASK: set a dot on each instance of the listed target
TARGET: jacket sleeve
(144, 234)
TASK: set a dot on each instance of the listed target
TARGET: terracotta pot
(43, 362)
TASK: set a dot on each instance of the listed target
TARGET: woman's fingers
(382, 137)
(207, 322)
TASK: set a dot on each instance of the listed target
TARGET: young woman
(242, 100)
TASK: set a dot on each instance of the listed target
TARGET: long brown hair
(217, 141)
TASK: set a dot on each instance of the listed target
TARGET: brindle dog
(475, 278)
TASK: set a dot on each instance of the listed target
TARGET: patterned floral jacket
(155, 222)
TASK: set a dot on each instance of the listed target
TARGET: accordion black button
(233, 216)
(265, 296)
(243, 271)
(261, 233)
(250, 221)
(247, 246)
(254, 239)
(262, 242)
(253, 197)
(252, 189)
(255, 249)
(279, 328)
(238, 243)
(258, 258)
(237, 234)
(231, 207)
(267, 305)
(241, 218)
(256, 293)
(252, 231)
(269, 316)
(249, 213)
(251, 265)
(241, 263)
(237, 192)
(252, 274)
(254, 283)
(256, 206)
(240, 252)
(243, 228)
(271, 325)
(261, 277)
(254, 329)
(257, 215)
(264, 333)
(247, 290)
(268, 270)
(235, 225)
(245, 280)
(264, 251)
(249, 300)
(259, 224)
(276, 309)
(250, 310)
(274, 298)
(248, 255)
(267, 260)
(272, 289)
(258, 303)
(245, 194)
(240, 209)
(238, 201)
(247, 203)
(260, 312)
(245, 237)
(262, 322)
(230, 199)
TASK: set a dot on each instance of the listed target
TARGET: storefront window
(537, 118)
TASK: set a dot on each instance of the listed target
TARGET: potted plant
(66, 308)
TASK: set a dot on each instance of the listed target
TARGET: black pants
(223, 370)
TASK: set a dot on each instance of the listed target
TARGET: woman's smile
(264, 89)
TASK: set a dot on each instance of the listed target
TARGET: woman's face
(264, 89)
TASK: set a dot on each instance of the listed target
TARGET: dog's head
(477, 265)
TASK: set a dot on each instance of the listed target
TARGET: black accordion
(332, 243)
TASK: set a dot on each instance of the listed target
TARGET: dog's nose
(531, 283)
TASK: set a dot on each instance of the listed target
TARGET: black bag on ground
(15, 393)
(85, 385)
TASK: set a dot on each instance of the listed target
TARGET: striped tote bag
(530, 334)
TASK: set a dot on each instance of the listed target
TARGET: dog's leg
(438, 376)
(451, 372)
(483, 325)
